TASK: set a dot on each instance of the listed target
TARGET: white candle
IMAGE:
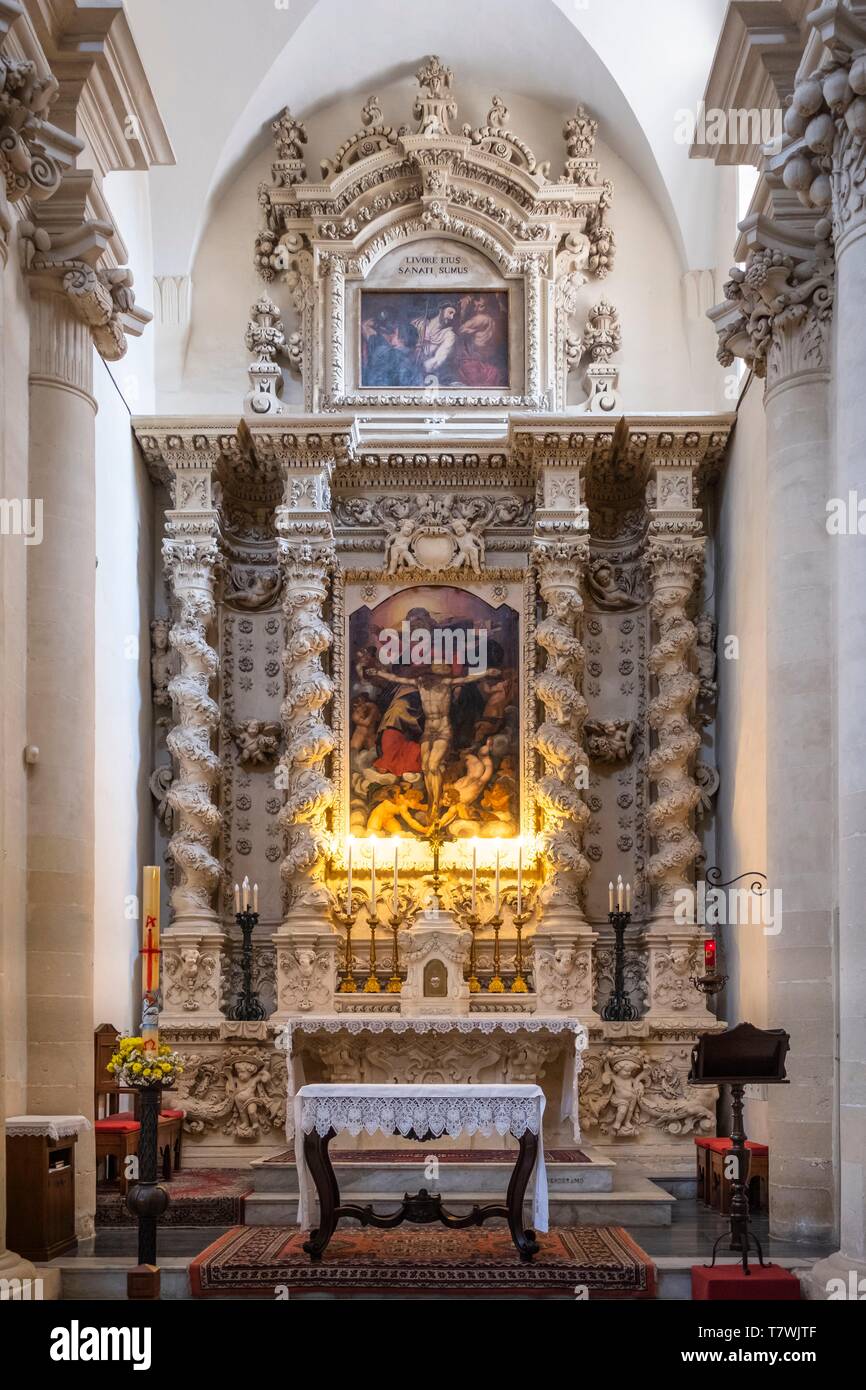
(246, 887)
(349, 879)
(496, 896)
(610, 896)
(519, 879)
(255, 897)
(474, 874)
(395, 902)
(619, 892)
(237, 898)
(628, 897)
(373, 874)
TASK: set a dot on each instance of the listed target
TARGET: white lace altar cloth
(478, 1023)
(52, 1126)
(453, 1110)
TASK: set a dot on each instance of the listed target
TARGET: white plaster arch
(313, 51)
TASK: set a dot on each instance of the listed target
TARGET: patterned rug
(254, 1261)
(443, 1155)
(199, 1197)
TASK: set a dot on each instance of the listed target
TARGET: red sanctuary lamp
(711, 982)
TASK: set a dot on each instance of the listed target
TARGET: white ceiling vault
(222, 69)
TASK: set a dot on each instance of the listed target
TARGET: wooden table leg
(319, 1163)
(523, 1239)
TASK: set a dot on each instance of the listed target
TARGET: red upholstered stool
(728, 1283)
(116, 1137)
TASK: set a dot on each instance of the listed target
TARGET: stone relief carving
(257, 742)
(612, 586)
(627, 1089)
(28, 169)
(252, 587)
(160, 660)
(307, 978)
(239, 1091)
(189, 983)
(160, 783)
(563, 978)
(610, 740)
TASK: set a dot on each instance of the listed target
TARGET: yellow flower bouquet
(132, 1065)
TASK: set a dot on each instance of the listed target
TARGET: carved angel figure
(610, 740)
(160, 660)
(398, 546)
(257, 741)
(469, 544)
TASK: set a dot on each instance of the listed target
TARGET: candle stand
(619, 1008)
(247, 1006)
(146, 1199)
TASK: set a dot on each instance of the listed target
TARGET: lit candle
(496, 894)
(349, 878)
(519, 878)
(610, 896)
(628, 897)
(255, 897)
(237, 898)
(150, 960)
(246, 888)
(474, 874)
(619, 893)
(373, 873)
(395, 901)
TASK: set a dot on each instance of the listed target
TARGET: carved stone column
(563, 942)
(73, 310)
(777, 317)
(825, 164)
(194, 940)
(305, 943)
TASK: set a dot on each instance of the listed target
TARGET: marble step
(403, 1169)
(633, 1201)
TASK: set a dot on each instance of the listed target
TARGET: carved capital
(33, 153)
(776, 313)
(103, 299)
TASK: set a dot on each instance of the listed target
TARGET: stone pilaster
(825, 164)
(560, 553)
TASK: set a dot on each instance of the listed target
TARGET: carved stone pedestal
(192, 976)
(306, 964)
(434, 953)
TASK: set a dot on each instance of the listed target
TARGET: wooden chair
(117, 1130)
(714, 1186)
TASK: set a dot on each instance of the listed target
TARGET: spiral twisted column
(190, 564)
(306, 943)
(675, 569)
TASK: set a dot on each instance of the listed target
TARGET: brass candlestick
(463, 904)
(496, 984)
(371, 984)
(344, 916)
(519, 917)
(401, 915)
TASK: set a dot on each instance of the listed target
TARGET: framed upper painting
(434, 339)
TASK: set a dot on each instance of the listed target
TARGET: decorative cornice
(33, 152)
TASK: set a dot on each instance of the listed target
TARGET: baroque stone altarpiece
(436, 290)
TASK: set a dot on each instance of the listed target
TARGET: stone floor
(692, 1232)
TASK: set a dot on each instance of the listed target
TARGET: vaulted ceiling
(221, 70)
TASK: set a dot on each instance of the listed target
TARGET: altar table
(483, 1024)
(422, 1113)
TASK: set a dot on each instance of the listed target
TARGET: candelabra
(619, 1008)
(371, 984)
(247, 1006)
(344, 915)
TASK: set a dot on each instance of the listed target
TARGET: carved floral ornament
(33, 154)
